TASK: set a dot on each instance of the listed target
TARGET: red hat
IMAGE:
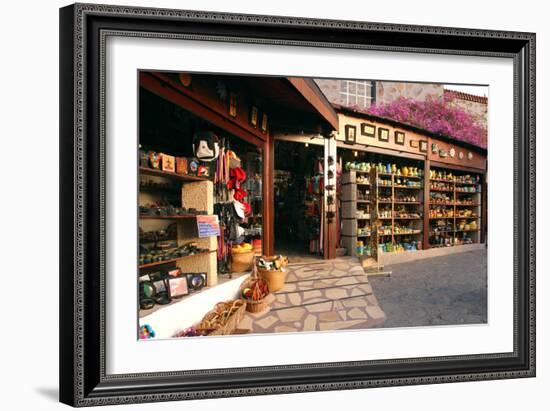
(247, 208)
(239, 194)
(238, 173)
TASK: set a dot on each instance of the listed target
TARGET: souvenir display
(143, 158)
(155, 159)
(146, 332)
(206, 146)
(156, 255)
(182, 165)
(177, 286)
(196, 281)
(168, 163)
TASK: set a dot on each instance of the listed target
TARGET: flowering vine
(436, 115)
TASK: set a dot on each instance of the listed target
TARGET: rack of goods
(382, 202)
(356, 205)
(399, 207)
(455, 208)
(174, 192)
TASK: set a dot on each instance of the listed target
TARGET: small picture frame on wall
(233, 104)
(263, 125)
(414, 143)
(383, 134)
(368, 130)
(253, 117)
(399, 138)
(423, 146)
(350, 134)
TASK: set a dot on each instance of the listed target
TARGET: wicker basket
(253, 306)
(241, 262)
(275, 278)
(229, 326)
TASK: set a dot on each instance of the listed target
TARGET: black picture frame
(399, 137)
(83, 379)
(350, 134)
(383, 134)
(368, 130)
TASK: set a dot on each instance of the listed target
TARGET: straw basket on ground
(275, 277)
(255, 292)
(241, 262)
(223, 319)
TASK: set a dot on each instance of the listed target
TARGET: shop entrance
(298, 200)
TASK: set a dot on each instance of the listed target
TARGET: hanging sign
(208, 225)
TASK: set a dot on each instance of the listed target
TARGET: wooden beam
(426, 222)
(378, 150)
(268, 163)
(457, 167)
(309, 90)
(163, 87)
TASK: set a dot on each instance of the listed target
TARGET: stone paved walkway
(435, 291)
(324, 296)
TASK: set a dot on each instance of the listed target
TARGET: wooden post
(426, 220)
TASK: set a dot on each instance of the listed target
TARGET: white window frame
(353, 98)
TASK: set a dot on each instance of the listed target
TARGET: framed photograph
(232, 104)
(350, 133)
(119, 303)
(253, 116)
(423, 146)
(383, 134)
(263, 125)
(413, 143)
(399, 138)
(368, 130)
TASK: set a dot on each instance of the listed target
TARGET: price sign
(208, 226)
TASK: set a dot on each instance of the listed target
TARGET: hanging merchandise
(206, 145)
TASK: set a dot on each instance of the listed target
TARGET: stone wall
(387, 91)
(476, 109)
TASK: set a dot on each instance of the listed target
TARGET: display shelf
(168, 174)
(169, 217)
(173, 260)
(413, 233)
(407, 188)
(404, 202)
(457, 194)
(407, 218)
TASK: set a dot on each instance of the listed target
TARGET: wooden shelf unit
(193, 192)
(454, 204)
(399, 187)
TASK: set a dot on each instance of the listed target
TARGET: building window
(356, 93)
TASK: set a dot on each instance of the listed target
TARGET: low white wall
(406, 256)
(178, 316)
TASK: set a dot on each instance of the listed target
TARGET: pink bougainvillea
(436, 115)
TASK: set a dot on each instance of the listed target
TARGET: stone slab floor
(323, 296)
(436, 291)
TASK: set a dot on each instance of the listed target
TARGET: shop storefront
(232, 168)
(406, 191)
(207, 168)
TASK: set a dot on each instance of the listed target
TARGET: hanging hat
(234, 160)
(238, 173)
(247, 208)
(239, 208)
(239, 194)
